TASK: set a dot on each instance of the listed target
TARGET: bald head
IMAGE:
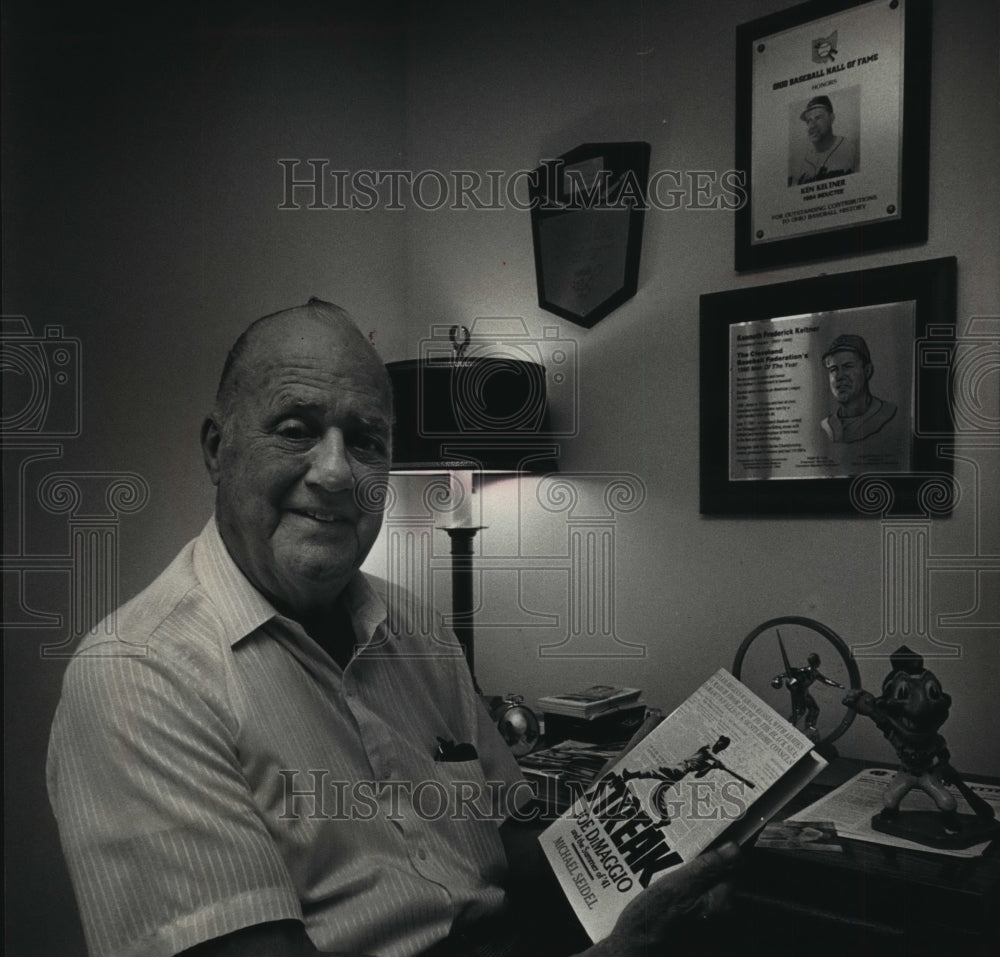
(300, 434)
(269, 331)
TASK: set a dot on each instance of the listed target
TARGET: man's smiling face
(308, 420)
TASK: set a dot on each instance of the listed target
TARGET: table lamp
(468, 417)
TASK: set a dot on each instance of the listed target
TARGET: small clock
(515, 721)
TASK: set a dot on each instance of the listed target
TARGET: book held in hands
(717, 768)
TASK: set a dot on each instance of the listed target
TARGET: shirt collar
(367, 609)
(243, 609)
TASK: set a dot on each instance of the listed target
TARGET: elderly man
(258, 763)
(859, 414)
(828, 155)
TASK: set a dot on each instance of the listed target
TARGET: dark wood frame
(932, 284)
(854, 239)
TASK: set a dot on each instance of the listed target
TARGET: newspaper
(723, 762)
(851, 806)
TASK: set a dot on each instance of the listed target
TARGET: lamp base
(461, 591)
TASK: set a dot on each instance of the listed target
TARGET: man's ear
(211, 440)
(869, 371)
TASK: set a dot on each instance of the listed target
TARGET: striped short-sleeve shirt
(211, 767)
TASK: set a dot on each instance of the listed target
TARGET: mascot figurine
(910, 712)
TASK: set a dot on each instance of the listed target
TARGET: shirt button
(421, 854)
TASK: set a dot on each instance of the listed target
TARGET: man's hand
(695, 890)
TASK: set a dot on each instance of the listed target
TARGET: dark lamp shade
(480, 413)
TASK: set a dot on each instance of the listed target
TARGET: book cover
(717, 768)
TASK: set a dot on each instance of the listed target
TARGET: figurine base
(928, 827)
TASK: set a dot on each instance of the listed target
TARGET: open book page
(665, 801)
(851, 807)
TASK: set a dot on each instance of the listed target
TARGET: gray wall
(502, 94)
(141, 194)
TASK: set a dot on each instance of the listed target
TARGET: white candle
(460, 486)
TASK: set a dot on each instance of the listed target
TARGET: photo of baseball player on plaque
(821, 395)
(811, 386)
(832, 130)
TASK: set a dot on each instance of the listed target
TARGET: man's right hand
(698, 889)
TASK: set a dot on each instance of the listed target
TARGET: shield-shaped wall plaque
(587, 211)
